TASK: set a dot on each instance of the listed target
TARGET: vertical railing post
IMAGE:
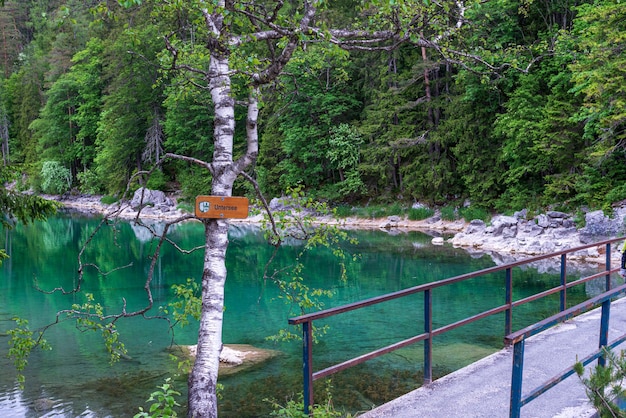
(307, 365)
(604, 329)
(608, 267)
(563, 292)
(428, 342)
(516, 379)
(508, 314)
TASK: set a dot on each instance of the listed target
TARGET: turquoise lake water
(75, 377)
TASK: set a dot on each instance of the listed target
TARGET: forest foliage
(524, 107)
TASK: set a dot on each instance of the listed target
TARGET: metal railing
(429, 333)
(518, 339)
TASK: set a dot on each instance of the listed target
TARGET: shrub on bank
(419, 214)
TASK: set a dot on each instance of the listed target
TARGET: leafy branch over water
(297, 221)
(23, 341)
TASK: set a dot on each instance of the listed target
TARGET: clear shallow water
(76, 379)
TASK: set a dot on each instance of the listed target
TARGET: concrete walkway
(482, 389)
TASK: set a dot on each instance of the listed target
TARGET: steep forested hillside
(525, 106)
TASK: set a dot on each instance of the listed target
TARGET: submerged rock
(437, 241)
(43, 404)
(234, 357)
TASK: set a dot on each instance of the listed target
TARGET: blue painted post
(563, 292)
(428, 342)
(604, 329)
(516, 379)
(508, 314)
(608, 267)
(307, 357)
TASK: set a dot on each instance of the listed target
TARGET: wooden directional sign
(221, 207)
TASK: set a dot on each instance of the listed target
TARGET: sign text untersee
(221, 207)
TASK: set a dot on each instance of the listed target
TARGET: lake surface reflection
(76, 379)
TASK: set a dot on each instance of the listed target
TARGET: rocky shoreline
(542, 234)
(145, 204)
(505, 238)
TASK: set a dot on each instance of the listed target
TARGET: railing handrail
(307, 320)
(518, 338)
(313, 316)
(563, 316)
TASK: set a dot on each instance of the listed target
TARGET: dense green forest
(524, 107)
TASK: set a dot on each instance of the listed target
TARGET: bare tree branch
(192, 160)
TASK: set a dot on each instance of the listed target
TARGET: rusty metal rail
(427, 290)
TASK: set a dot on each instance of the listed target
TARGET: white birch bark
(203, 377)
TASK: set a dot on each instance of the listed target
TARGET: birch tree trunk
(203, 378)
